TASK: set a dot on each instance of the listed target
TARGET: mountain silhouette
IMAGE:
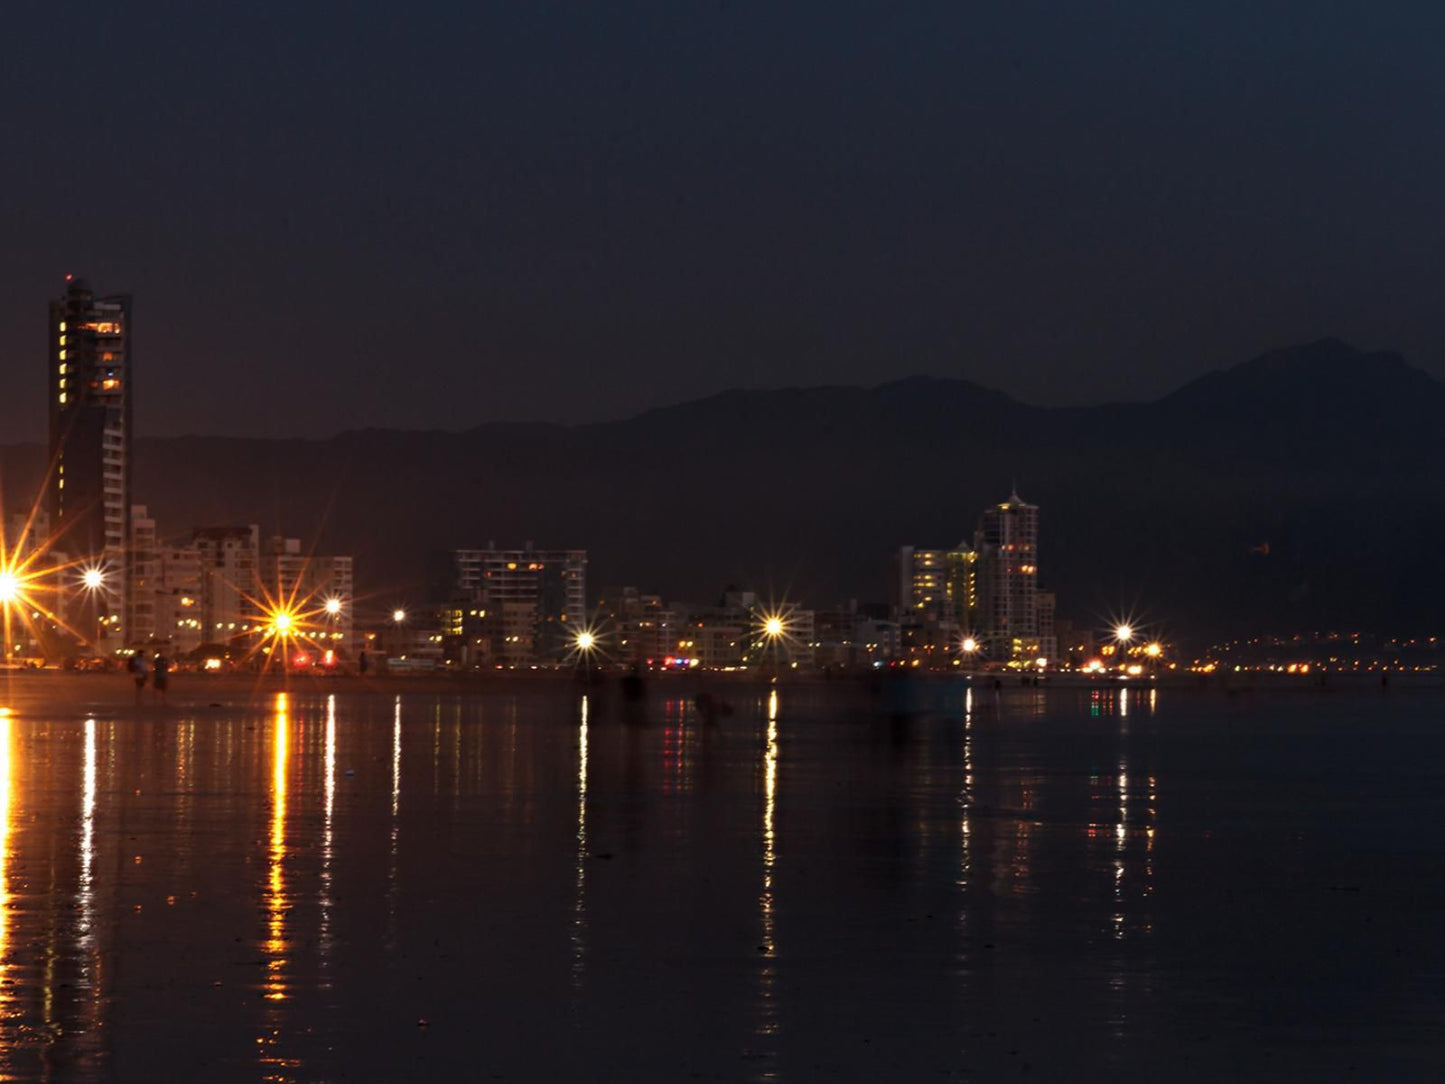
(1327, 454)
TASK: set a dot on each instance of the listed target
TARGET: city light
(398, 616)
(1123, 633)
(586, 641)
(970, 645)
(333, 606)
(93, 579)
(1153, 650)
(9, 587)
(773, 627)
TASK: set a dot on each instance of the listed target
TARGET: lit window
(62, 355)
(62, 397)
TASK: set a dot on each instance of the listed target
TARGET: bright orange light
(585, 641)
(282, 622)
(9, 587)
(1153, 650)
(773, 627)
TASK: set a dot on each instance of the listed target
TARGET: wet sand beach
(348, 883)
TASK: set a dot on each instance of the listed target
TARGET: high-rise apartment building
(535, 601)
(91, 397)
(1008, 580)
(229, 565)
(938, 586)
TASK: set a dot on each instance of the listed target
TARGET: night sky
(365, 214)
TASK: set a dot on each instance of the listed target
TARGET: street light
(398, 616)
(970, 649)
(93, 579)
(333, 606)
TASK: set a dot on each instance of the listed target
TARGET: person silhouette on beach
(163, 676)
(140, 670)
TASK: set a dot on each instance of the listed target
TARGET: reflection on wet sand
(326, 898)
(276, 1066)
(7, 784)
(579, 906)
(767, 1025)
(997, 876)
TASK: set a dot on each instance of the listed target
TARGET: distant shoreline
(190, 690)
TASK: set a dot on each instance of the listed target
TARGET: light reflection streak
(87, 840)
(275, 986)
(395, 765)
(6, 798)
(391, 869)
(965, 802)
(767, 995)
(327, 833)
(579, 909)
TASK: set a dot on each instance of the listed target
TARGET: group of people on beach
(156, 672)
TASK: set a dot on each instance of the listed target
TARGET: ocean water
(1066, 885)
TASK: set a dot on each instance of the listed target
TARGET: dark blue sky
(428, 215)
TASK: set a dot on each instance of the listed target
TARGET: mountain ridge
(809, 491)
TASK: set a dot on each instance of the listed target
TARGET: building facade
(91, 396)
(532, 602)
(1007, 543)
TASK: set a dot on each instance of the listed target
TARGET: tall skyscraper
(1007, 543)
(91, 399)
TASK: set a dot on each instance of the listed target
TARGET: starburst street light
(398, 615)
(1153, 649)
(92, 579)
(10, 591)
(1123, 633)
(333, 606)
(585, 641)
(774, 630)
